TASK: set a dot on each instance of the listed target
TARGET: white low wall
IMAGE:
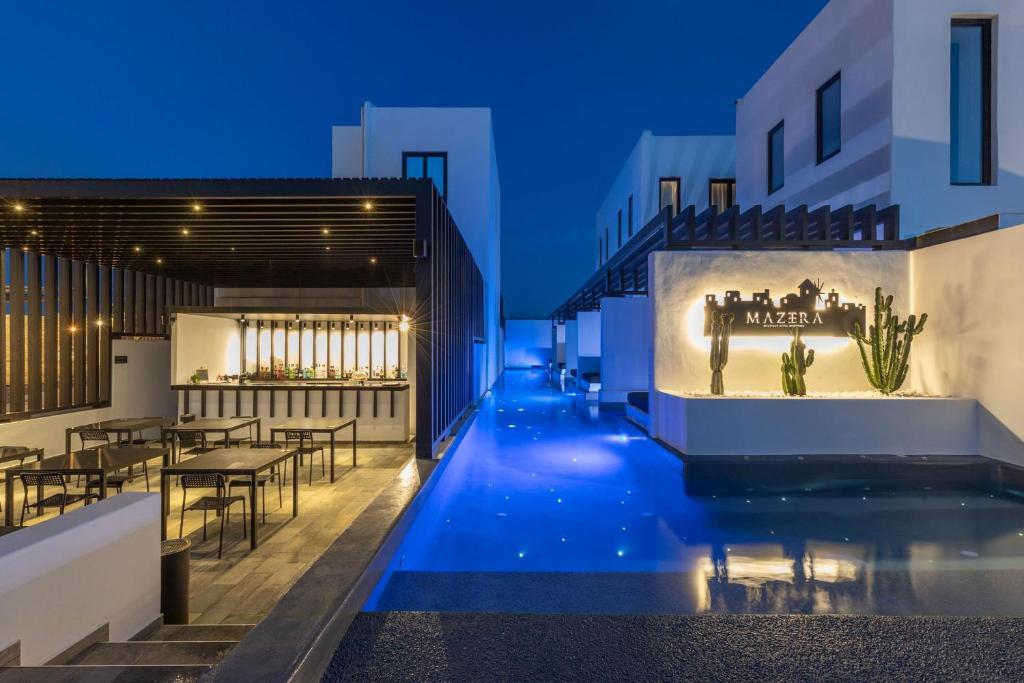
(527, 343)
(625, 347)
(63, 579)
(818, 426)
(139, 388)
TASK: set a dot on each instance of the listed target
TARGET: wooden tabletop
(106, 458)
(230, 460)
(313, 424)
(123, 424)
(213, 424)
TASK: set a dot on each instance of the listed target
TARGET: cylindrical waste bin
(174, 569)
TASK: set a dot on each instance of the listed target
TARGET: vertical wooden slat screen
(117, 300)
(64, 332)
(140, 303)
(91, 333)
(150, 304)
(129, 302)
(3, 332)
(17, 333)
(104, 333)
(78, 335)
(34, 331)
(161, 300)
(49, 331)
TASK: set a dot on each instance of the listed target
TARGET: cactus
(885, 356)
(721, 329)
(794, 366)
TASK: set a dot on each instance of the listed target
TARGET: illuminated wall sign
(762, 317)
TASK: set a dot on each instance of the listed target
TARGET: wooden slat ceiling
(257, 233)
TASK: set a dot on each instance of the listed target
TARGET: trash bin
(174, 569)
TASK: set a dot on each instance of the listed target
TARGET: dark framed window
(629, 220)
(776, 157)
(433, 165)
(668, 194)
(722, 193)
(619, 224)
(970, 102)
(829, 118)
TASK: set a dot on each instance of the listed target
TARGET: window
(829, 118)
(776, 157)
(606, 243)
(722, 193)
(970, 106)
(630, 219)
(619, 223)
(433, 165)
(668, 194)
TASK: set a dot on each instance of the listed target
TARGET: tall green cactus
(794, 366)
(886, 357)
(721, 329)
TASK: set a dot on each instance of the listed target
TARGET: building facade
(454, 147)
(908, 102)
(676, 170)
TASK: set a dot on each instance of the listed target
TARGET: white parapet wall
(69, 576)
(625, 347)
(813, 426)
(527, 343)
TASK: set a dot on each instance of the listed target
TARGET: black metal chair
(39, 481)
(219, 503)
(190, 442)
(236, 441)
(302, 436)
(261, 482)
(115, 481)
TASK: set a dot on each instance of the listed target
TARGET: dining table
(210, 425)
(119, 427)
(231, 462)
(319, 425)
(91, 462)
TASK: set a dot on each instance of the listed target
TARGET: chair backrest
(29, 479)
(203, 481)
(299, 435)
(192, 438)
(94, 435)
(266, 444)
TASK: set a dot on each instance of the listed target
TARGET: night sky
(249, 89)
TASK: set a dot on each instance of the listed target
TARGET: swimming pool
(548, 506)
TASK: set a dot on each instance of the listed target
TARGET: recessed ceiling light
(327, 248)
(184, 231)
(18, 206)
(159, 261)
(368, 206)
(138, 249)
(35, 232)
(196, 206)
(232, 248)
(373, 259)
(326, 231)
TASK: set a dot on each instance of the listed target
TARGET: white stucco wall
(527, 343)
(589, 335)
(678, 282)
(572, 345)
(694, 159)
(894, 56)
(625, 347)
(63, 579)
(852, 37)
(921, 122)
(558, 343)
(139, 388)
(473, 197)
(971, 342)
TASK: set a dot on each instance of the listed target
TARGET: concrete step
(197, 632)
(153, 653)
(102, 674)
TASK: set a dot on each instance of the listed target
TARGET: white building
(455, 147)
(664, 169)
(909, 102)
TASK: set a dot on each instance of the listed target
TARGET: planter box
(715, 426)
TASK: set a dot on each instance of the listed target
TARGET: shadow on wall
(921, 186)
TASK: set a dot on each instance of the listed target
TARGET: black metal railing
(824, 228)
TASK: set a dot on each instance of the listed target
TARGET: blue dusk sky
(250, 89)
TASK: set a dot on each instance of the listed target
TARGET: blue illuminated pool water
(546, 506)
